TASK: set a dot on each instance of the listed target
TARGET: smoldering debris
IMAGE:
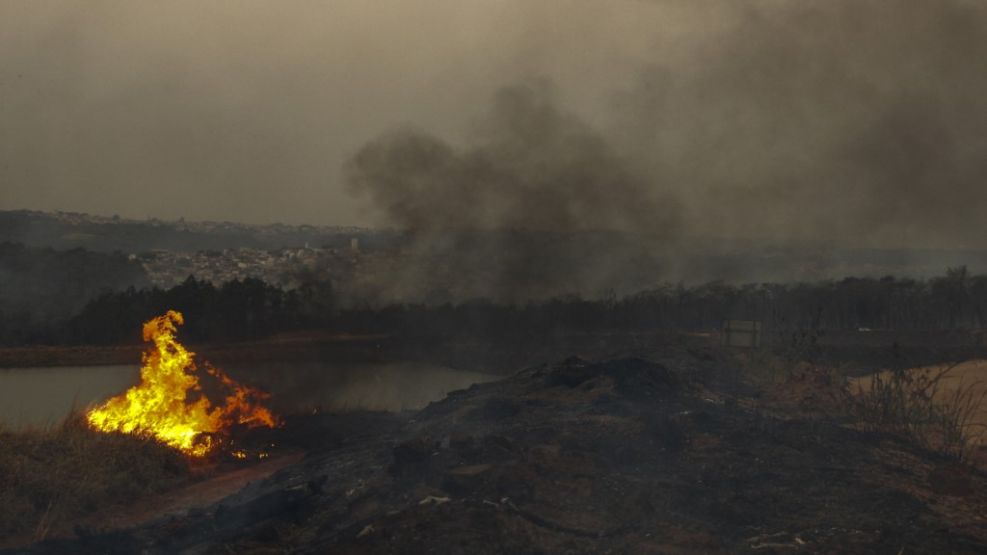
(588, 456)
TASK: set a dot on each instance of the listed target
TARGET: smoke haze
(859, 122)
(247, 111)
(856, 121)
(529, 166)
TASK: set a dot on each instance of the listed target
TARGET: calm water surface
(34, 397)
(43, 396)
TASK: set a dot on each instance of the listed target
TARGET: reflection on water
(43, 396)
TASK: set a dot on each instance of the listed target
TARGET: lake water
(37, 397)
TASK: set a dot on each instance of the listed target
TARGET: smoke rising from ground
(854, 121)
(529, 166)
(501, 210)
(849, 123)
(246, 111)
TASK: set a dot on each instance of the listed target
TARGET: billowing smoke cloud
(863, 122)
(530, 166)
(829, 124)
(518, 209)
(246, 111)
(842, 122)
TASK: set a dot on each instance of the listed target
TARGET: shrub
(913, 403)
(51, 476)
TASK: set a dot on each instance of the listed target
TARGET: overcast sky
(838, 118)
(245, 110)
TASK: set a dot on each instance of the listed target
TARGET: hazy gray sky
(854, 120)
(246, 110)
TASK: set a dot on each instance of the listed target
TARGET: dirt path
(174, 503)
(199, 494)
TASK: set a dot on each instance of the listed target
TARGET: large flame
(169, 403)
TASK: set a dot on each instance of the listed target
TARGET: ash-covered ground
(666, 453)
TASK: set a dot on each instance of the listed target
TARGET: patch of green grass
(54, 475)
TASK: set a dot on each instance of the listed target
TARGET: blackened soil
(621, 456)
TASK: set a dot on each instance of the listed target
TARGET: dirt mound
(629, 455)
(629, 375)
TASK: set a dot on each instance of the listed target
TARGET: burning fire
(169, 404)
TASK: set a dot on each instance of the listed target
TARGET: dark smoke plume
(528, 208)
(817, 126)
(531, 167)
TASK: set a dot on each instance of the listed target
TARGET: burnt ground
(663, 454)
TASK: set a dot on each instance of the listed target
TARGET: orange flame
(160, 406)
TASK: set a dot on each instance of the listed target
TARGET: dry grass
(914, 403)
(942, 408)
(52, 476)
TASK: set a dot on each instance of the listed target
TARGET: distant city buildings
(286, 268)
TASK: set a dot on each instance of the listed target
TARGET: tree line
(42, 287)
(250, 309)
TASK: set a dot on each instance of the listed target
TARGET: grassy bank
(50, 477)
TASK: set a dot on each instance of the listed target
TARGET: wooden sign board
(742, 333)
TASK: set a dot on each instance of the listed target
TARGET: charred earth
(664, 454)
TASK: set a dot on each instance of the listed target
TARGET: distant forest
(249, 309)
(42, 286)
